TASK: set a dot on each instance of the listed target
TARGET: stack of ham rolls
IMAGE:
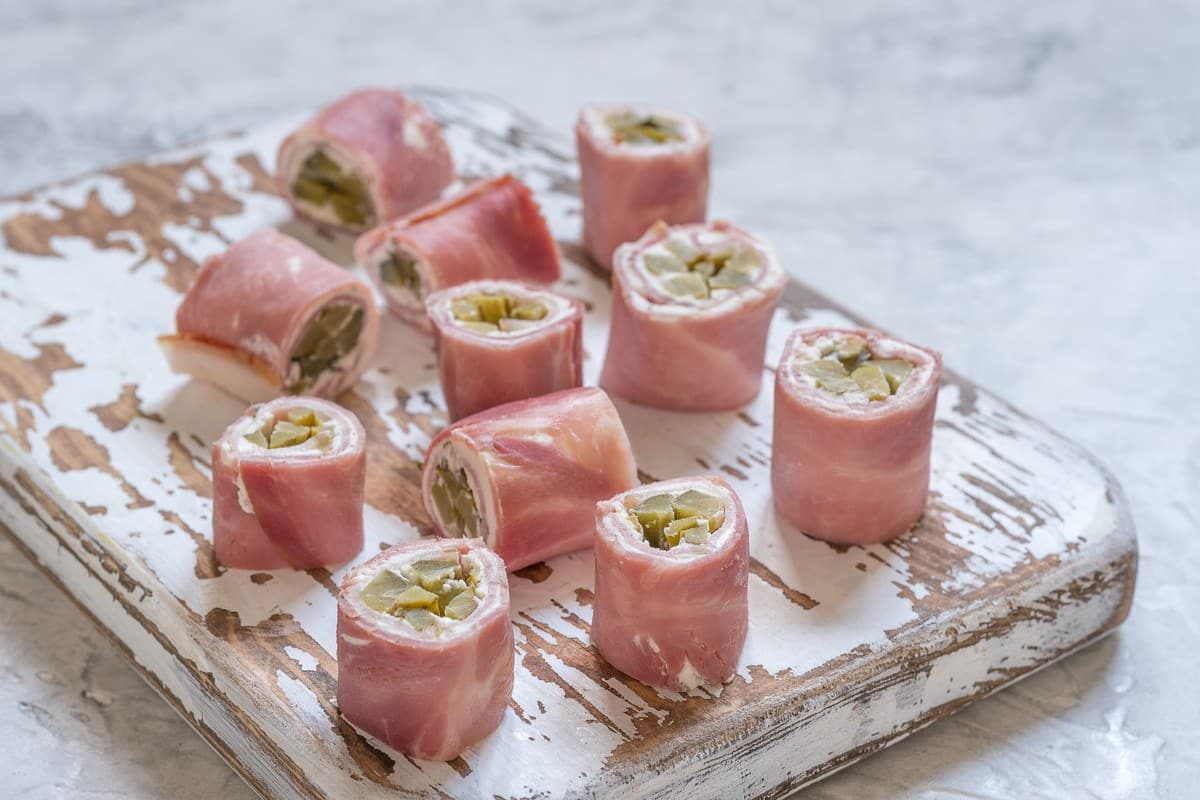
(533, 464)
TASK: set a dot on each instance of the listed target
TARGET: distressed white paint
(114, 312)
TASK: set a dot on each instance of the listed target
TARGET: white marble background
(1016, 184)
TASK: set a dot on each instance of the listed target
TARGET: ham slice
(685, 352)
(529, 474)
(492, 229)
(242, 324)
(675, 619)
(843, 468)
(434, 692)
(379, 137)
(298, 506)
(629, 185)
(480, 369)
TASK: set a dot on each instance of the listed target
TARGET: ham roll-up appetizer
(500, 341)
(425, 647)
(526, 476)
(672, 564)
(853, 433)
(287, 483)
(691, 308)
(638, 166)
(372, 156)
(270, 316)
(492, 229)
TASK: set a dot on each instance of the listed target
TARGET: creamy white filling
(455, 456)
(336, 154)
(557, 308)
(595, 119)
(683, 242)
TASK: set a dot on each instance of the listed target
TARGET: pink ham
(492, 229)
(629, 186)
(844, 469)
(686, 353)
(248, 310)
(480, 370)
(536, 469)
(384, 137)
(299, 506)
(432, 693)
(674, 619)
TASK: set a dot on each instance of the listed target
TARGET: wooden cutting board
(1027, 551)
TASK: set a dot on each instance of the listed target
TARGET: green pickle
(331, 335)
(455, 501)
(323, 183)
(424, 592)
(497, 313)
(847, 366)
(687, 270)
(666, 521)
(400, 270)
(298, 426)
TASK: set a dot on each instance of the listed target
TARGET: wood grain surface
(1026, 552)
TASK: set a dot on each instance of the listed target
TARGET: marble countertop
(1015, 185)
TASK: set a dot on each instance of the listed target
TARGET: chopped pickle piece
(416, 597)
(400, 270)
(685, 284)
(847, 366)
(303, 416)
(420, 618)
(698, 504)
(455, 501)
(431, 574)
(729, 278)
(653, 515)
(258, 438)
(665, 521)
(872, 381)
(729, 265)
(322, 182)
(896, 370)
(493, 307)
(660, 263)
(288, 434)
(461, 606)
(497, 313)
(331, 335)
(629, 127)
(529, 311)
(380, 594)
(849, 349)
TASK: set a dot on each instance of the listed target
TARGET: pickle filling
(323, 183)
(666, 520)
(297, 427)
(455, 501)
(331, 335)
(629, 127)
(497, 313)
(847, 366)
(424, 591)
(400, 270)
(687, 270)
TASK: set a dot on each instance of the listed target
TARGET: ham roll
(638, 166)
(500, 341)
(691, 308)
(672, 564)
(425, 646)
(853, 432)
(288, 482)
(492, 229)
(372, 156)
(269, 316)
(526, 476)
